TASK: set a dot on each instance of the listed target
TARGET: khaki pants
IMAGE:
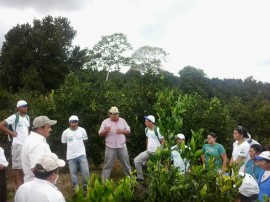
(110, 157)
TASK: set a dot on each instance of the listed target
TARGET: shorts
(16, 151)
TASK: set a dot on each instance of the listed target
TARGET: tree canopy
(38, 57)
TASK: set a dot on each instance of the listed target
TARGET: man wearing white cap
(154, 140)
(75, 137)
(115, 129)
(42, 188)
(178, 162)
(20, 124)
(36, 145)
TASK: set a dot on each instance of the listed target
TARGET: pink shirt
(114, 140)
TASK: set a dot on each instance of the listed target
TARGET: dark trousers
(3, 186)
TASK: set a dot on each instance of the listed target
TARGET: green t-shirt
(215, 151)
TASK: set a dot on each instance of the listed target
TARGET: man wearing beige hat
(42, 188)
(114, 129)
(36, 145)
(20, 124)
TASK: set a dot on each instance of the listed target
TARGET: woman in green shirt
(216, 151)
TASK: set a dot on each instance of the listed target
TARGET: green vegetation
(38, 63)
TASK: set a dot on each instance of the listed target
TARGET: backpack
(155, 131)
(15, 125)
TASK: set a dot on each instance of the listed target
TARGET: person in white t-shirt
(240, 154)
(178, 162)
(75, 137)
(20, 124)
(42, 188)
(36, 145)
(154, 140)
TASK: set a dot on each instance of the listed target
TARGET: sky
(224, 38)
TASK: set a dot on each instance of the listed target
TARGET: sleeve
(102, 127)
(203, 148)
(222, 150)
(159, 135)
(85, 137)
(126, 126)
(3, 160)
(11, 120)
(64, 137)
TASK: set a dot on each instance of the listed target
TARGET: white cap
(50, 161)
(21, 103)
(263, 156)
(180, 136)
(114, 110)
(41, 121)
(249, 185)
(73, 118)
(150, 118)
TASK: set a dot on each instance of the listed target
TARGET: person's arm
(162, 142)
(203, 158)
(5, 130)
(231, 162)
(224, 161)
(125, 131)
(104, 132)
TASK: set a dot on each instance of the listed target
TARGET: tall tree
(194, 80)
(149, 59)
(38, 57)
(109, 52)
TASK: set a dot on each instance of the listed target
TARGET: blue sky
(225, 38)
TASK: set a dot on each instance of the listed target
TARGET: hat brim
(260, 158)
(61, 163)
(52, 122)
(23, 106)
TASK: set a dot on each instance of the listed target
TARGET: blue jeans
(84, 170)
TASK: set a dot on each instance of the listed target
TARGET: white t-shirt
(38, 190)
(22, 128)
(153, 140)
(241, 150)
(3, 160)
(35, 145)
(74, 140)
(178, 162)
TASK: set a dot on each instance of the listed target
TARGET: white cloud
(227, 39)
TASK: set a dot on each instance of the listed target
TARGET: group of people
(34, 165)
(249, 157)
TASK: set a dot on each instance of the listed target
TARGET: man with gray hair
(36, 145)
(42, 188)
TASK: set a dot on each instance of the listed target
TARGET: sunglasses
(114, 113)
(74, 121)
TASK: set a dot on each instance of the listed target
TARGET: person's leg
(3, 185)
(17, 165)
(72, 163)
(84, 169)
(110, 156)
(124, 159)
(138, 161)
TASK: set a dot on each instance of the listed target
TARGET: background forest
(40, 64)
